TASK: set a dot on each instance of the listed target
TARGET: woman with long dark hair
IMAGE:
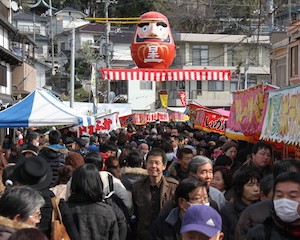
(93, 218)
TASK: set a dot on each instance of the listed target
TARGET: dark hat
(69, 141)
(223, 160)
(31, 149)
(34, 172)
(228, 144)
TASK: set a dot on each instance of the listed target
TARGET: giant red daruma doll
(153, 45)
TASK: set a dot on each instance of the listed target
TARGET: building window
(200, 55)
(251, 81)
(146, 85)
(63, 46)
(280, 70)
(3, 76)
(294, 61)
(215, 85)
(234, 85)
(119, 87)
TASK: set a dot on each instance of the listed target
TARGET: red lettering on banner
(217, 124)
(104, 124)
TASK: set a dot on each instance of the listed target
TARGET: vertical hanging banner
(182, 97)
(282, 119)
(163, 95)
(94, 86)
(248, 109)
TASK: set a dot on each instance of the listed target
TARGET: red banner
(182, 97)
(210, 121)
(143, 118)
(248, 109)
(105, 123)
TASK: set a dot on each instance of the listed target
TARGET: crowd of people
(156, 181)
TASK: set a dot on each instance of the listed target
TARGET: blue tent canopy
(42, 108)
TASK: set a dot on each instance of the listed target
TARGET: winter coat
(273, 229)
(175, 172)
(131, 175)
(166, 227)
(143, 205)
(253, 215)
(94, 221)
(55, 156)
(249, 164)
(9, 226)
(46, 210)
(230, 214)
(119, 189)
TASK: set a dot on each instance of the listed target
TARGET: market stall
(42, 108)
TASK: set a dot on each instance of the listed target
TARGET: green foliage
(88, 52)
(81, 95)
(130, 8)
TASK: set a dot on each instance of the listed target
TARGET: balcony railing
(29, 29)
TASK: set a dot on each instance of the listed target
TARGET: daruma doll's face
(153, 45)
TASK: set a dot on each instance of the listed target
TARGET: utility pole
(72, 75)
(107, 45)
(246, 67)
(52, 42)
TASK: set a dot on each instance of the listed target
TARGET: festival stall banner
(210, 121)
(178, 116)
(182, 97)
(248, 109)
(192, 111)
(282, 119)
(161, 116)
(105, 123)
(163, 96)
(143, 118)
(135, 118)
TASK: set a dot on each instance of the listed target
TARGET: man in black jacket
(167, 226)
(284, 222)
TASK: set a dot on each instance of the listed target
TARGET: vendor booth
(42, 108)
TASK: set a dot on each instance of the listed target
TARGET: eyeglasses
(36, 215)
(197, 200)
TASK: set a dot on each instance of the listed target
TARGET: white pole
(107, 48)
(72, 80)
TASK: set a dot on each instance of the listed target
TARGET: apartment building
(246, 56)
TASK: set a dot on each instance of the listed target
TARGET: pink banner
(248, 109)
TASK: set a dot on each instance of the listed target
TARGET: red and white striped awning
(159, 75)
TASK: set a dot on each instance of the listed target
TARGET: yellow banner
(163, 99)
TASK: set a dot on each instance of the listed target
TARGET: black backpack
(119, 208)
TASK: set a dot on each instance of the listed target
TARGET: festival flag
(182, 97)
(94, 86)
(163, 98)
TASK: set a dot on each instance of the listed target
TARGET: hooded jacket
(55, 156)
(131, 175)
